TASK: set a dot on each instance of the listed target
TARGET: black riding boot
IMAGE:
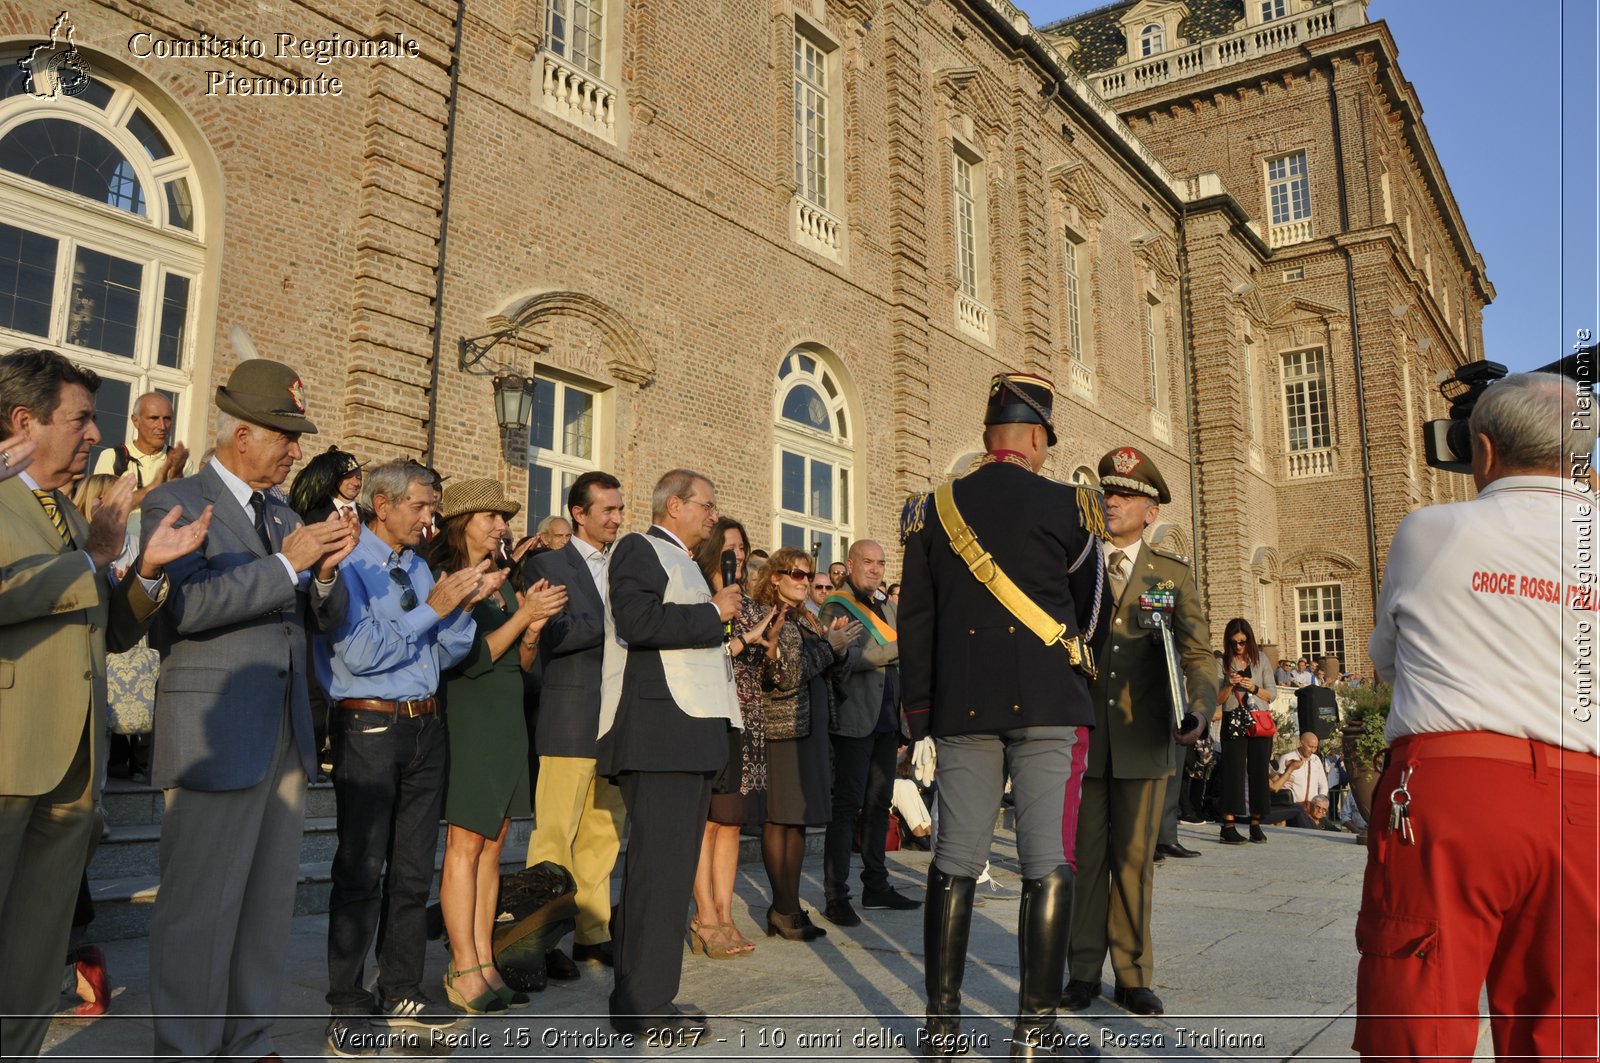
(946, 920)
(1042, 926)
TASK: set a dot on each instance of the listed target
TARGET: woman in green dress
(482, 700)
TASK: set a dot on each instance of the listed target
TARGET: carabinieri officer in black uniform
(1002, 595)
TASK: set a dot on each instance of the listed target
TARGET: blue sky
(1508, 93)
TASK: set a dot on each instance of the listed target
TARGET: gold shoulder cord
(964, 541)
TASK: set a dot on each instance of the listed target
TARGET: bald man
(149, 455)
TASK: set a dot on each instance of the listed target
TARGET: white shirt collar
(673, 537)
(1131, 551)
(240, 490)
(33, 485)
(587, 552)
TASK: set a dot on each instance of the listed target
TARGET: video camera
(1448, 443)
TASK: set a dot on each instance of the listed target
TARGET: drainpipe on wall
(1355, 340)
(1186, 316)
(444, 232)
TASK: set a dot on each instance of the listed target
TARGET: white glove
(923, 761)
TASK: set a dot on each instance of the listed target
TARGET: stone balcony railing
(972, 316)
(578, 96)
(1237, 47)
(815, 228)
(1080, 377)
(1161, 426)
(1303, 463)
(1258, 459)
(1290, 232)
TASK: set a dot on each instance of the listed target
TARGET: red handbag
(1262, 725)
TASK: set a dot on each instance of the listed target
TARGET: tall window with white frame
(1271, 9)
(1071, 271)
(575, 30)
(1308, 427)
(102, 240)
(563, 441)
(1152, 40)
(1320, 611)
(814, 458)
(811, 120)
(1252, 405)
(966, 228)
(1155, 356)
(1289, 199)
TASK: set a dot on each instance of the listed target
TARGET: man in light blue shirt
(380, 664)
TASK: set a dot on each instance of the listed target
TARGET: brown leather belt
(418, 707)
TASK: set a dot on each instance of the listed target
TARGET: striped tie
(47, 499)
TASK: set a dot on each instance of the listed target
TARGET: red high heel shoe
(93, 986)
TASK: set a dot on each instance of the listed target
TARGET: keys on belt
(1400, 809)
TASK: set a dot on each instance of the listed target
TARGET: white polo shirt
(1487, 616)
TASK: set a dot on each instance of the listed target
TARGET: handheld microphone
(730, 576)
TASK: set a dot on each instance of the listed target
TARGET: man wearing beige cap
(233, 735)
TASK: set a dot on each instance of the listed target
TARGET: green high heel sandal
(482, 1004)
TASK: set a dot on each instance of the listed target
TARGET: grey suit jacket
(572, 647)
(859, 678)
(232, 642)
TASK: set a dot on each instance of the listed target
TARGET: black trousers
(389, 773)
(863, 784)
(667, 818)
(1242, 767)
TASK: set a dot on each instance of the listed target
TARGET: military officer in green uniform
(1135, 744)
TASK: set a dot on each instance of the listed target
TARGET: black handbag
(1236, 723)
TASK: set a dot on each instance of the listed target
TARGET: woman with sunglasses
(1246, 684)
(799, 780)
(739, 790)
(482, 703)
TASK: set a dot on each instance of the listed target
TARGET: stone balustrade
(973, 316)
(814, 227)
(1304, 463)
(578, 96)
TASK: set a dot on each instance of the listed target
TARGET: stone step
(128, 803)
(123, 902)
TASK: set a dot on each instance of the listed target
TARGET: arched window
(1152, 40)
(102, 242)
(814, 458)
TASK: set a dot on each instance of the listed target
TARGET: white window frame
(1319, 620)
(832, 447)
(1305, 396)
(562, 465)
(1273, 9)
(154, 241)
(592, 58)
(1151, 321)
(1072, 255)
(1288, 188)
(965, 198)
(1252, 401)
(1152, 40)
(813, 63)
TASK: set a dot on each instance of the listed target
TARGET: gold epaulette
(1092, 512)
(913, 515)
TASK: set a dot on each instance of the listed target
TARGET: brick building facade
(784, 242)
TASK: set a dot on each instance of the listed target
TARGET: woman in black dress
(799, 777)
(1246, 685)
(715, 933)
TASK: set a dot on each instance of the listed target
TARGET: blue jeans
(388, 776)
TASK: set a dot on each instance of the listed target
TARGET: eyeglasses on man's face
(710, 509)
(823, 586)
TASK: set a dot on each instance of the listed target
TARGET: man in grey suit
(577, 813)
(233, 739)
(865, 734)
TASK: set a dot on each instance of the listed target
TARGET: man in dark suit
(1136, 745)
(234, 745)
(667, 701)
(578, 813)
(59, 611)
(1001, 596)
(865, 736)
